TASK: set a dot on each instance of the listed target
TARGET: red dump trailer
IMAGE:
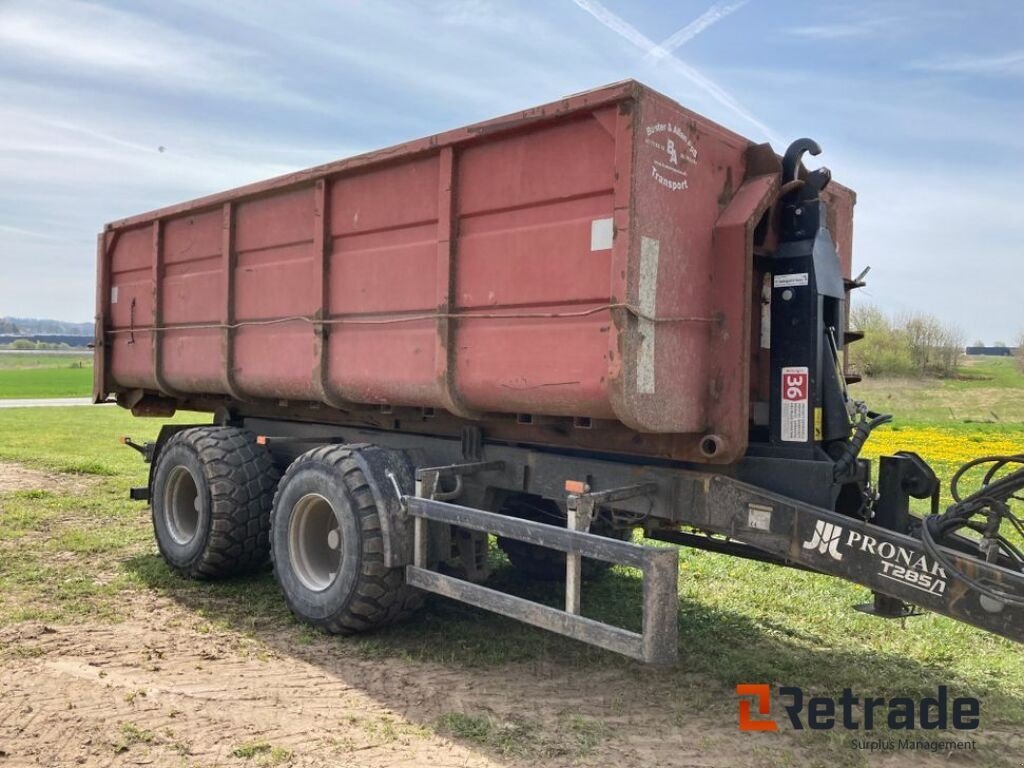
(597, 315)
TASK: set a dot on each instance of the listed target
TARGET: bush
(909, 345)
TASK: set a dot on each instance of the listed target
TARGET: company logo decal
(826, 539)
(675, 153)
(896, 562)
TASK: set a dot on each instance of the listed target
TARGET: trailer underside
(460, 485)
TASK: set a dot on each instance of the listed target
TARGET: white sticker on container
(602, 232)
(795, 387)
(113, 295)
(791, 281)
(759, 517)
(648, 289)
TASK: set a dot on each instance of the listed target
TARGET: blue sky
(110, 109)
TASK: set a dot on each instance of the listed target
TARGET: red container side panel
(129, 305)
(528, 207)
(383, 271)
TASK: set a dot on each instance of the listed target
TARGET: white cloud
(481, 14)
(455, 54)
(85, 39)
(1010, 63)
(26, 233)
(910, 228)
(123, 153)
(704, 83)
(711, 16)
(840, 30)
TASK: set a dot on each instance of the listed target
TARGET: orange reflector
(575, 486)
(261, 439)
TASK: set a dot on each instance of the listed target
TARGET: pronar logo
(825, 539)
(895, 562)
(898, 563)
(852, 712)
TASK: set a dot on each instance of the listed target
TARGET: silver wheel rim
(314, 542)
(181, 505)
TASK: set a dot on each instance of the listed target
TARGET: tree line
(909, 344)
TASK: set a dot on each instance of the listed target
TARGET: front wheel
(328, 547)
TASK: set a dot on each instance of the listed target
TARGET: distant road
(83, 352)
(48, 402)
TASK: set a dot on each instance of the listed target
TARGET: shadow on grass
(726, 646)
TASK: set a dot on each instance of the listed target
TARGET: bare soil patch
(15, 477)
(167, 689)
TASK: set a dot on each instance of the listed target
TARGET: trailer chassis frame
(883, 553)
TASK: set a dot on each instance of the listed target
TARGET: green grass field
(39, 375)
(71, 557)
(988, 391)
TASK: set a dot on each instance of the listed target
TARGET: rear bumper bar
(657, 642)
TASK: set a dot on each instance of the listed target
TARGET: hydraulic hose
(867, 422)
(992, 501)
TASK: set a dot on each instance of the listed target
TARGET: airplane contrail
(631, 33)
(712, 15)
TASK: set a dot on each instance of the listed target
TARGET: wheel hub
(314, 542)
(181, 505)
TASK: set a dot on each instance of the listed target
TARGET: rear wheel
(212, 493)
(541, 562)
(328, 547)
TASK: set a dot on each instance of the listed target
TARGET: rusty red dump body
(581, 273)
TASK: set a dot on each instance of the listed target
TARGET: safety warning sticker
(795, 385)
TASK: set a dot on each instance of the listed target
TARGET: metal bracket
(472, 443)
(885, 607)
(427, 479)
(427, 487)
(145, 449)
(581, 509)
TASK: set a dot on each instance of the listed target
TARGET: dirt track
(73, 695)
(164, 689)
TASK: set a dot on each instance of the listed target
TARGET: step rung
(527, 611)
(532, 532)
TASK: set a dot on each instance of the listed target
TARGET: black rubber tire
(549, 564)
(364, 593)
(234, 480)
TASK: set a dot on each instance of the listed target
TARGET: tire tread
(241, 477)
(381, 595)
